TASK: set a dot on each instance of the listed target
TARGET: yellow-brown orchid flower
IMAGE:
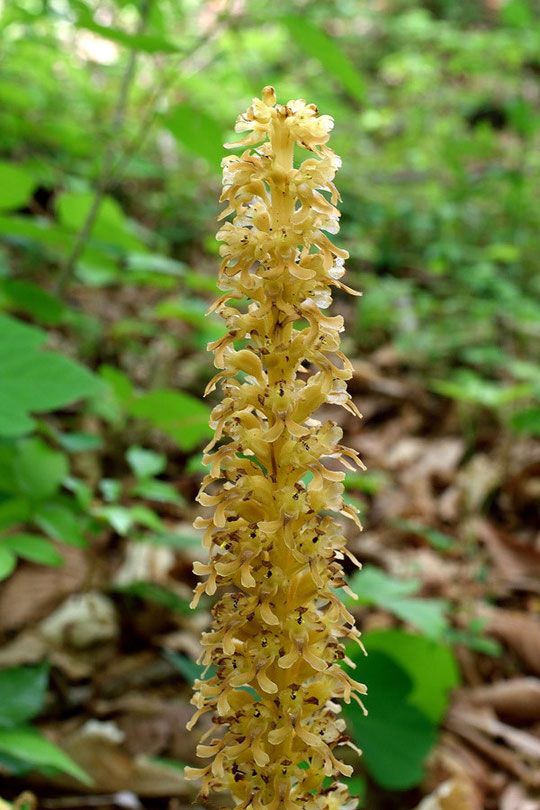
(277, 634)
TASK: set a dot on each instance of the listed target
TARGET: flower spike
(276, 639)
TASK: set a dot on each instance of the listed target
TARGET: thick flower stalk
(276, 638)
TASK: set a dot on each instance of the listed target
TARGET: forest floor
(450, 499)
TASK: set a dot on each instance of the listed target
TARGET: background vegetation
(112, 119)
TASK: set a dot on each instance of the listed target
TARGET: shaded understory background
(112, 119)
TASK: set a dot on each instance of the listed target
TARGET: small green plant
(22, 747)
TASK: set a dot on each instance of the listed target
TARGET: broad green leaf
(475, 641)
(78, 442)
(197, 131)
(29, 745)
(25, 296)
(375, 587)
(111, 489)
(22, 693)
(470, 387)
(111, 225)
(8, 561)
(34, 380)
(39, 231)
(517, 13)
(318, 45)
(81, 490)
(147, 43)
(177, 413)
(16, 184)
(119, 517)
(13, 511)
(33, 547)
(371, 483)
(192, 311)
(118, 381)
(427, 615)
(396, 736)
(439, 540)
(159, 491)
(174, 540)
(147, 517)
(145, 463)
(155, 263)
(123, 518)
(527, 421)
(58, 519)
(38, 469)
(431, 666)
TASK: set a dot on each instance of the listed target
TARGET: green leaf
(78, 442)
(440, 541)
(427, 615)
(39, 231)
(8, 561)
(119, 517)
(111, 226)
(13, 511)
(29, 745)
(192, 311)
(517, 13)
(155, 263)
(371, 483)
(22, 693)
(110, 488)
(33, 300)
(527, 421)
(173, 540)
(123, 518)
(177, 413)
(467, 386)
(39, 470)
(475, 641)
(33, 547)
(396, 736)
(375, 587)
(197, 131)
(145, 463)
(318, 45)
(160, 491)
(59, 521)
(118, 381)
(431, 666)
(16, 184)
(33, 380)
(147, 43)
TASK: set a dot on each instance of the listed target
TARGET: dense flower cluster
(275, 641)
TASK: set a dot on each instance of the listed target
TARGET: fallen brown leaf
(520, 631)
(518, 697)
